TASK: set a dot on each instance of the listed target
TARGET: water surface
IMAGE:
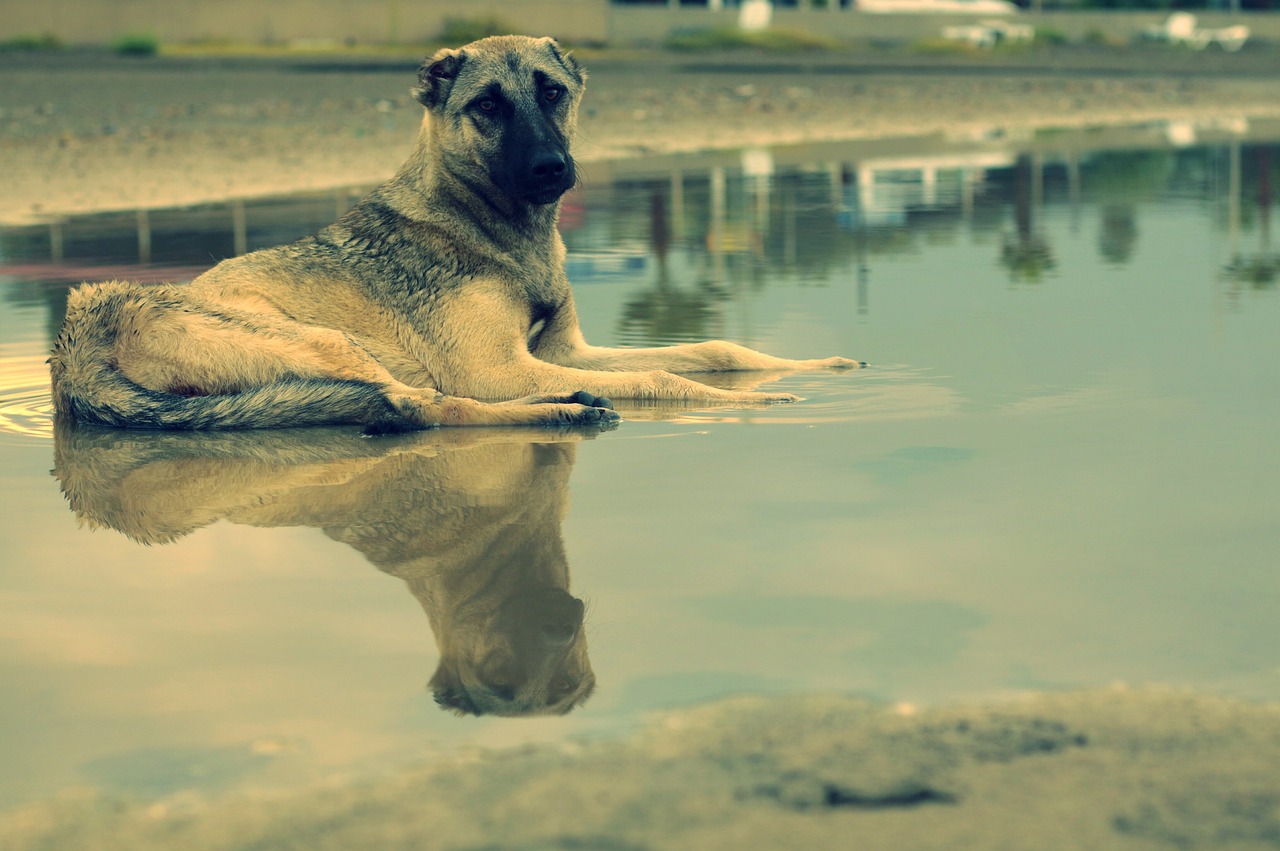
(1060, 471)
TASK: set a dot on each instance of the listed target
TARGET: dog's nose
(548, 165)
(559, 634)
(561, 620)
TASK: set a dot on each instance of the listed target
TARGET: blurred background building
(581, 22)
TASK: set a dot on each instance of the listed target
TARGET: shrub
(733, 37)
(1045, 35)
(46, 41)
(466, 30)
(136, 44)
(938, 46)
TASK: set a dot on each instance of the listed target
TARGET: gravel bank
(84, 132)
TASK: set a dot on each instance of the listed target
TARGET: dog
(439, 299)
(469, 519)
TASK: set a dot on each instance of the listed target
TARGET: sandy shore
(1113, 769)
(81, 133)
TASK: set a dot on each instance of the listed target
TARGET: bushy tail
(114, 400)
(89, 390)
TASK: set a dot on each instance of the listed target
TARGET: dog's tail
(111, 399)
(88, 388)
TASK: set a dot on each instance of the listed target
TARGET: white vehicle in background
(988, 34)
(1180, 28)
(936, 7)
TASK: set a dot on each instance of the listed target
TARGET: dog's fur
(469, 518)
(443, 287)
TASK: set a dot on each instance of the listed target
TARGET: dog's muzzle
(548, 174)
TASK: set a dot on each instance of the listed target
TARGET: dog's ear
(436, 76)
(570, 64)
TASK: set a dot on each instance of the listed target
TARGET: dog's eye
(551, 95)
(488, 105)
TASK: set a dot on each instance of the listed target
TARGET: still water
(1060, 471)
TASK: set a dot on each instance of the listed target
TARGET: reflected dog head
(525, 656)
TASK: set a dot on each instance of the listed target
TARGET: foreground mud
(1115, 769)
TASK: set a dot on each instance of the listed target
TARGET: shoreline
(1114, 768)
(155, 135)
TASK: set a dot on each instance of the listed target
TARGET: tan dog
(446, 282)
(469, 519)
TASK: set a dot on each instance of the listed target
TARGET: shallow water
(1061, 470)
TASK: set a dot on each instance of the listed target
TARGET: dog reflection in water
(469, 519)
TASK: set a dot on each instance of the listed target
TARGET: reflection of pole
(866, 188)
(863, 270)
(789, 228)
(1037, 189)
(929, 185)
(677, 204)
(55, 241)
(968, 190)
(716, 237)
(1233, 200)
(1073, 189)
(1264, 198)
(239, 237)
(762, 203)
(144, 237)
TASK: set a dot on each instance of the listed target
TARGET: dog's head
(528, 657)
(502, 114)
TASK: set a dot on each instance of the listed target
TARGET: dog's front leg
(489, 358)
(562, 343)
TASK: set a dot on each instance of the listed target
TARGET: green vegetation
(1099, 37)
(1050, 36)
(464, 30)
(136, 44)
(45, 41)
(939, 46)
(733, 37)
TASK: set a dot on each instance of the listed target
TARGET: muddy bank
(1114, 769)
(81, 133)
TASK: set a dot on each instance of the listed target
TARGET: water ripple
(26, 408)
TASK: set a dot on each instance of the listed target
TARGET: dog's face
(502, 113)
(527, 657)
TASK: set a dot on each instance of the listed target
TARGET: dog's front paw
(842, 363)
(578, 414)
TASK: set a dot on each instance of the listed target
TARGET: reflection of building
(885, 188)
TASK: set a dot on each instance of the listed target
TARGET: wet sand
(82, 133)
(1113, 769)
